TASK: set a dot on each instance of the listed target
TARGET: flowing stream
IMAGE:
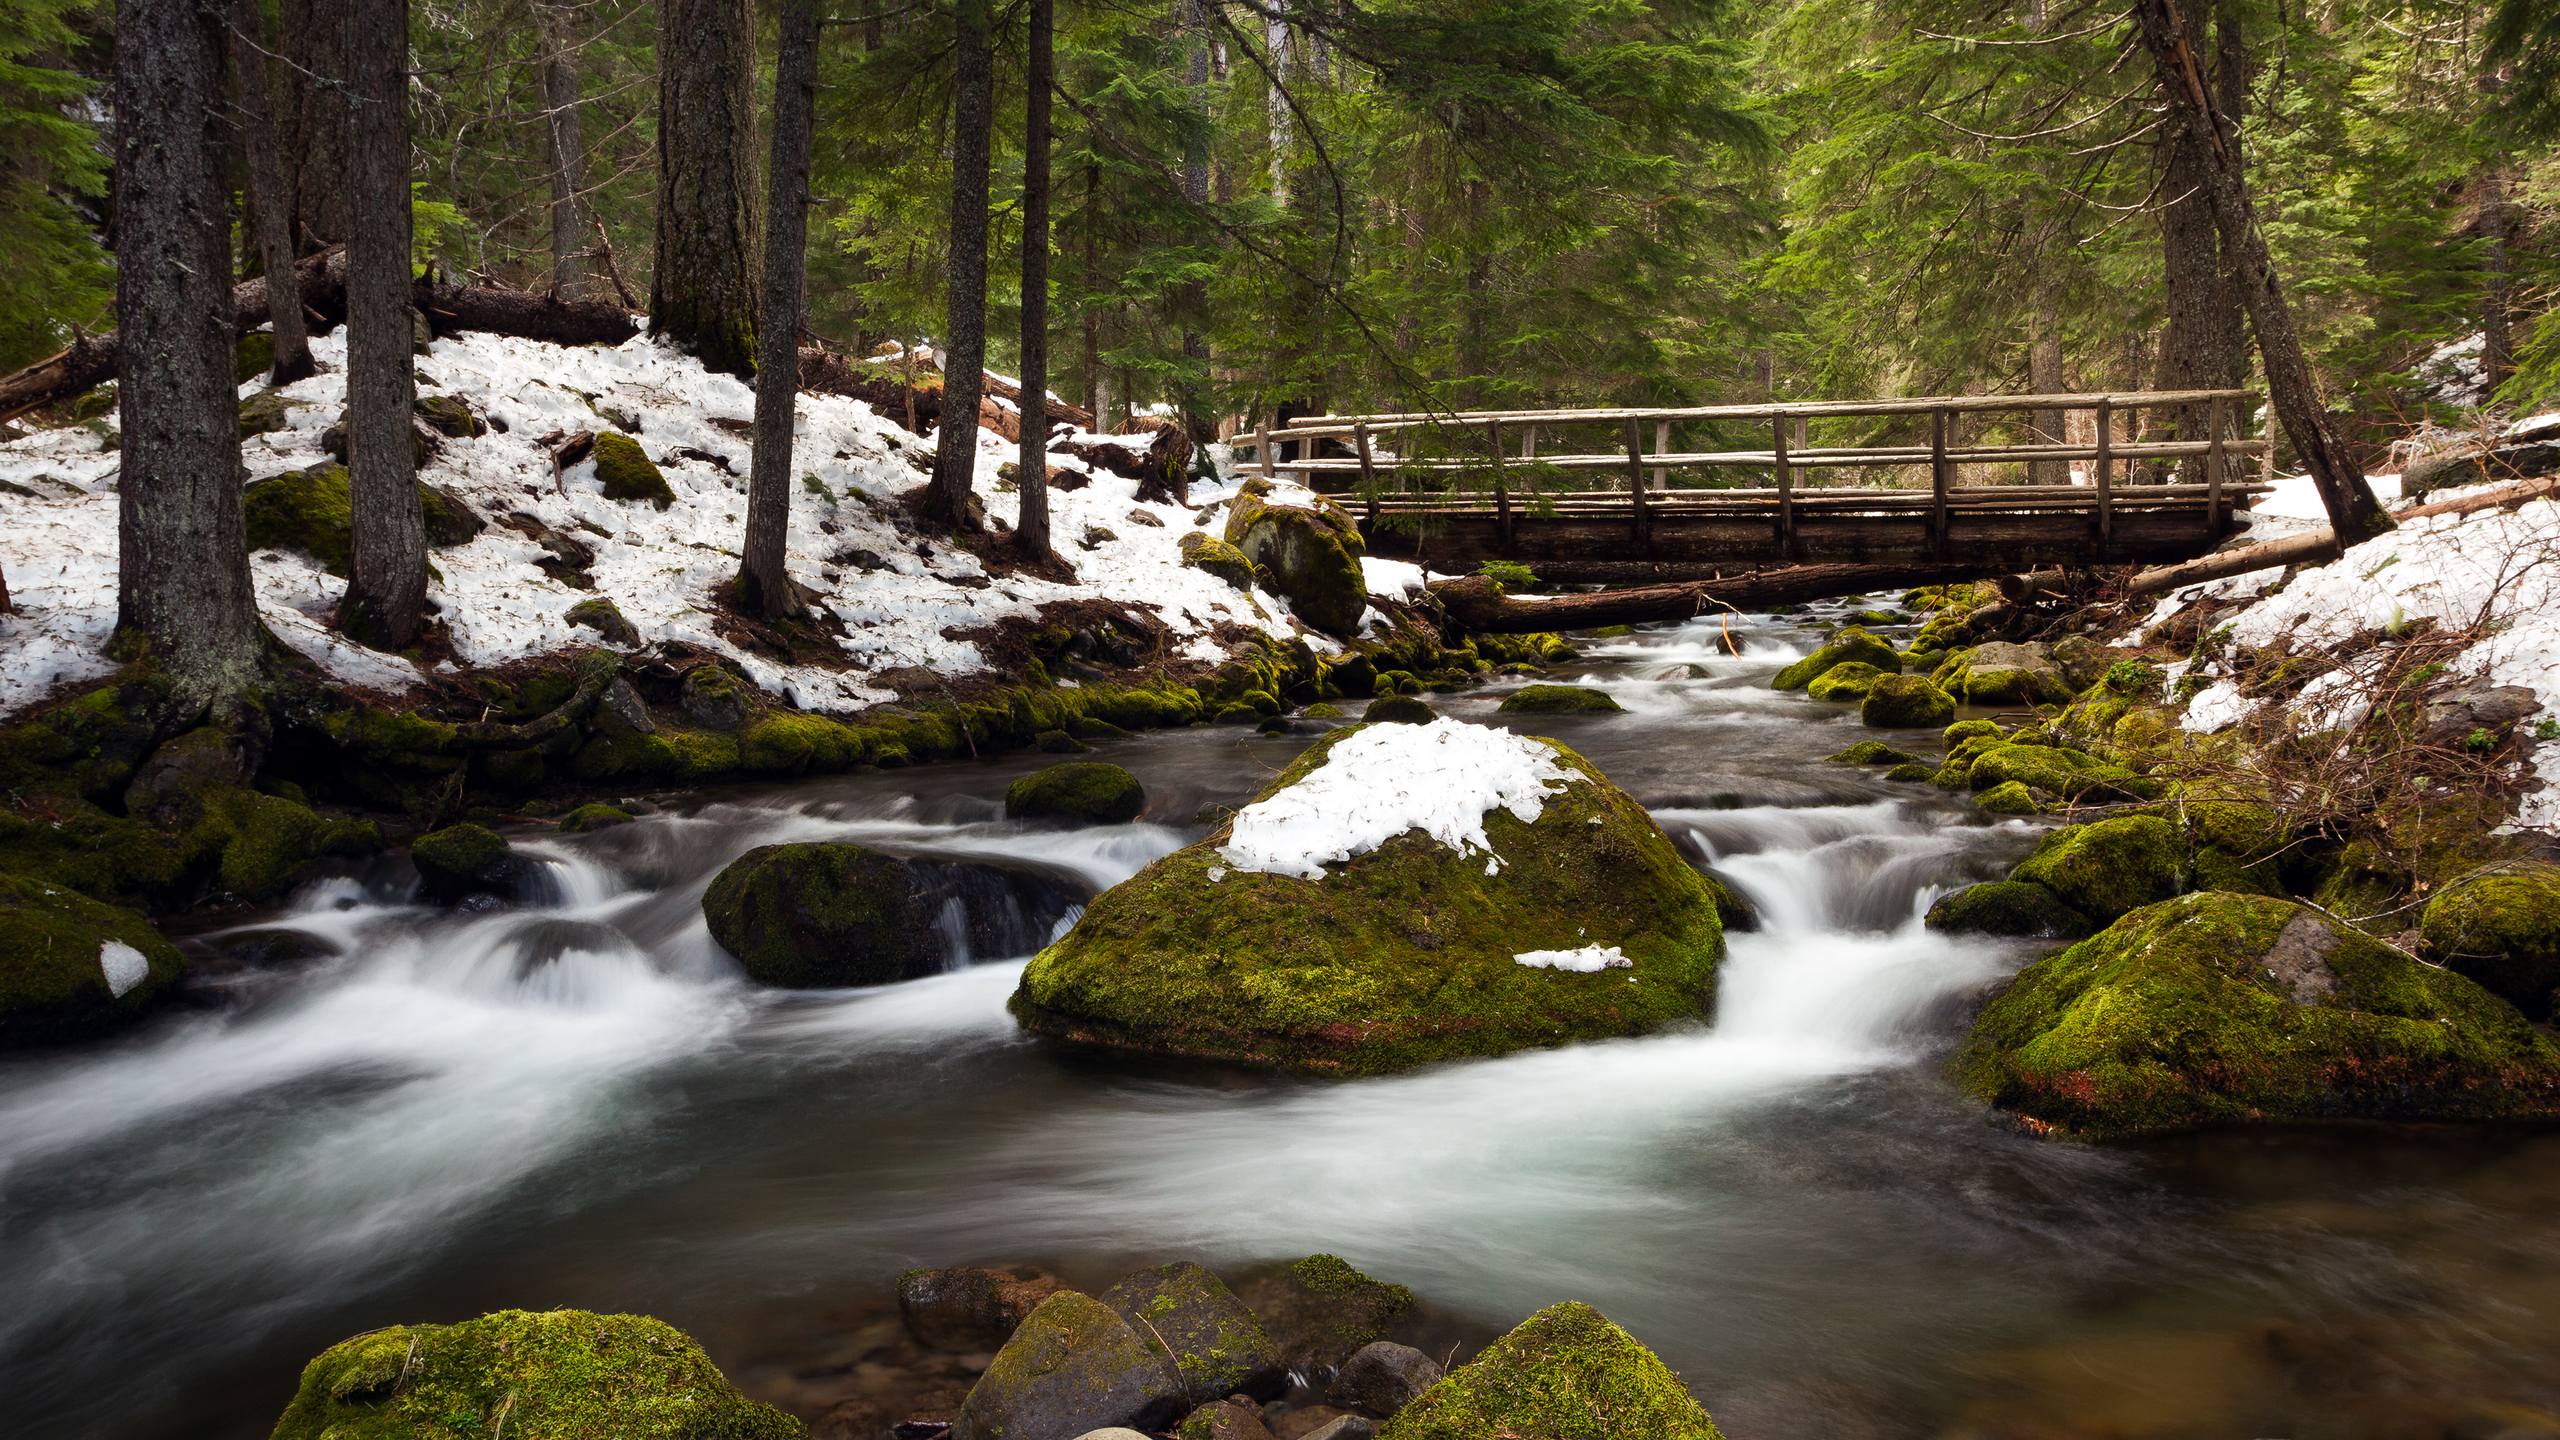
(425, 1116)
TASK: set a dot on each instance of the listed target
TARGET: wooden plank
(1368, 473)
(1915, 405)
(2106, 483)
(2213, 465)
(1832, 458)
(1939, 482)
(1635, 483)
(1661, 446)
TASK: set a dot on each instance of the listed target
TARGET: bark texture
(764, 579)
(2291, 387)
(182, 569)
(556, 33)
(264, 97)
(2497, 227)
(700, 293)
(964, 341)
(1031, 529)
(315, 40)
(387, 569)
(2205, 344)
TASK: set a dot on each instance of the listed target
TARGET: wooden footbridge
(1975, 478)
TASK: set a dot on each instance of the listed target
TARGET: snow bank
(901, 598)
(1589, 960)
(1377, 783)
(1394, 579)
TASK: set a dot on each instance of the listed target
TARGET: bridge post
(1501, 490)
(1262, 447)
(1368, 473)
(1938, 481)
(1643, 529)
(2213, 466)
(2106, 480)
(1661, 446)
(1786, 490)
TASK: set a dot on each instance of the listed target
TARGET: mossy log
(1477, 603)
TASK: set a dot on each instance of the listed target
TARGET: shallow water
(581, 1105)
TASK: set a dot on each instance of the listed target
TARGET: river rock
(2502, 930)
(1905, 702)
(1088, 792)
(71, 967)
(1074, 1366)
(1845, 684)
(2002, 673)
(1225, 1420)
(472, 864)
(518, 1373)
(1216, 1343)
(1565, 1373)
(1320, 1310)
(2006, 907)
(1250, 947)
(970, 1308)
(1399, 710)
(2111, 866)
(1304, 1422)
(1307, 550)
(1560, 700)
(2048, 769)
(1383, 1377)
(1343, 1427)
(821, 915)
(2215, 1009)
(1847, 645)
(715, 699)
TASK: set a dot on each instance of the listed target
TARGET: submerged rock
(1847, 645)
(71, 967)
(2216, 1008)
(558, 1373)
(1215, 1342)
(970, 1307)
(1383, 1377)
(1565, 1373)
(1073, 1367)
(1308, 552)
(1399, 895)
(820, 915)
(1560, 700)
(2503, 930)
(1090, 792)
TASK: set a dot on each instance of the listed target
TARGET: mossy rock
(539, 1376)
(714, 698)
(1565, 1373)
(1845, 684)
(2054, 769)
(1309, 555)
(2503, 931)
(627, 473)
(1560, 700)
(461, 862)
(450, 416)
(72, 967)
(1872, 752)
(593, 817)
(2215, 1009)
(1399, 710)
(1321, 1310)
(1905, 702)
(313, 511)
(789, 742)
(1847, 645)
(253, 356)
(2003, 674)
(1916, 772)
(1084, 792)
(605, 618)
(1964, 730)
(2007, 907)
(266, 412)
(2009, 798)
(1216, 1344)
(2111, 866)
(1396, 957)
(1208, 552)
(821, 915)
(1073, 1366)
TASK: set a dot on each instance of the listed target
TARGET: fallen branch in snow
(92, 360)
(1475, 602)
(2323, 544)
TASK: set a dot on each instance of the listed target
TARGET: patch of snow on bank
(1394, 579)
(1589, 960)
(900, 596)
(1374, 785)
(2297, 498)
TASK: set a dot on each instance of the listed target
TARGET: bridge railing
(1491, 459)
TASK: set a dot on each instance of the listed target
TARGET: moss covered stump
(2502, 930)
(555, 1375)
(1565, 1373)
(821, 915)
(71, 967)
(2215, 1009)
(1083, 792)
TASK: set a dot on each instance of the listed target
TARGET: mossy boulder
(266, 412)
(1905, 702)
(1085, 792)
(821, 915)
(1073, 1366)
(2009, 798)
(1321, 1310)
(539, 1376)
(1400, 955)
(1844, 684)
(2001, 673)
(1399, 710)
(1308, 552)
(313, 511)
(2053, 769)
(2219, 1009)
(466, 863)
(2502, 930)
(627, 473)
(1216, 1344)
(605, 618)
(1872, 752)
(1964, 730)
(71, 967)
(450, 416)
(2108, 867)
(1208, 552)
(593, 817)
(2007, 907)
(1847, 645)
(715, 698)
(1565, 1373)
(1914, 772)
(1560, 700)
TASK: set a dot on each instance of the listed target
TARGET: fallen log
(1475, 602)
(92, 360)
(2322, 545)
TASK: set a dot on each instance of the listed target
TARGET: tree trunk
(2045, 377)
(387, 569)
(700, 294)
(2205, 343)
(315, 46)
(1097, 383)
(1031, 528)
(556, 35)
(182, 567)
(764, 578)
(2291, 386)
(265, 97)
(1478, 604)
(1192, 18)
(2497, 280)
(964, 345)
(1276, 37)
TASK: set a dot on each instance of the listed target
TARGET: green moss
(450, 416)
(555, 1375)
(1080, 791)
(1399, 710)
(1964, 730)
(1206, 552)
(253, 356)
(2010, 798)
(266, 843)
(1872, 752)
(605, 618)
(2007, 907)
(1215, 1343)
(1905, 702)
(820, 915)
(313, 511)
(2002, 674)
(593, 817)
(2502, 930)
(265, 413)
(788, 742)
(2109, 867)
(1309, 555)
(627, 473)
(1914, 773)
(1565, 1373)
(2214, 1008)
(1560, 700)
(1073, 1364)
(463, 852)
(56, 948)
(1846, 645)
(2053, 769)
(1845, 683)
(1397, 957)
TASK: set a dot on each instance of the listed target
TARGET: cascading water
(580, 1103)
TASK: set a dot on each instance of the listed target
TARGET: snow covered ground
(898, 598)
(2493, 570)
